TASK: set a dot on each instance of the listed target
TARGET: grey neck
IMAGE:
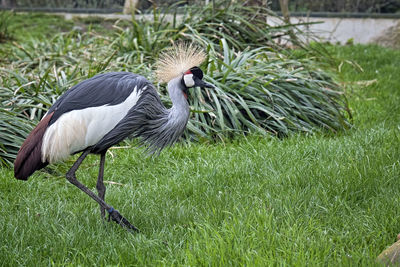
(159, 127)
(179, 112)
(168, 126)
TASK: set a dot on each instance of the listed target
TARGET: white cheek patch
(188, 79)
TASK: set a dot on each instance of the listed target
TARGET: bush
(259, 90)
(260, 87)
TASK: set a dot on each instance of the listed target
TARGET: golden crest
(177, 60)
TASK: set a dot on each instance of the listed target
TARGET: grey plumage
(150, 121)
(109, 88)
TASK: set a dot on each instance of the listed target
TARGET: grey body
(150, 121)
(147, 119)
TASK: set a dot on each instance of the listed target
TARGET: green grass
(306, 200)
(37, 25)
(24, 26)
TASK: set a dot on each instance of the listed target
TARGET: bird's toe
(118, 218)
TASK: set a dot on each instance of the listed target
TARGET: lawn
(304, 200)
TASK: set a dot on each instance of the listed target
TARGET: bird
(101, 111)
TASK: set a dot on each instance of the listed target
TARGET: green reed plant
(258, 88)
(262, 91)
(14, 130)
(241, 26)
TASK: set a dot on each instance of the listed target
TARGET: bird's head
(194, 77)
(182, 61)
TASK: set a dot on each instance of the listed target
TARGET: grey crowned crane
(101, 111)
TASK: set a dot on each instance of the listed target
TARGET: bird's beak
(201, 83)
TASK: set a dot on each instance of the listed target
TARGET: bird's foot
(118, 218)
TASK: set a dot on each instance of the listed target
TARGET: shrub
(259, 86)
(259, 90)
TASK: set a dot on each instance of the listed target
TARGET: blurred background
(359, 6)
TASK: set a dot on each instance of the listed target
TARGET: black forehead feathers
(196, 71)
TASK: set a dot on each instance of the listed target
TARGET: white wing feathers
(79, 129)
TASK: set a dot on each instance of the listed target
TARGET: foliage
(5, 33)
(14, 130)
(258, 91)
(241, 27)
(259, 88)
(302, 97)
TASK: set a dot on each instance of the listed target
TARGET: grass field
(306, 200)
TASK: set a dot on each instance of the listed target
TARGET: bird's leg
(114, 214)
(101, 189)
